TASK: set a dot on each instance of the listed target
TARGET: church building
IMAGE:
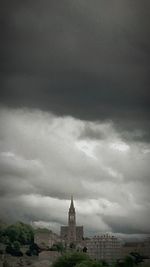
(72, 234)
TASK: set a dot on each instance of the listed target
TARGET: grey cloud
(25, 208)
(128, 225)
(11, 164)
(94, 133)
(45, 158)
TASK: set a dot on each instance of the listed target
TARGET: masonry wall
(104, 248)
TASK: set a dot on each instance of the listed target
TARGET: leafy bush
(89, 263)
(20, 232)
(77, 260)
(57, 247)
(33, 250)
(71, 260)
(14, 249)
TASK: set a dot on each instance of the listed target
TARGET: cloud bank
(45, 158)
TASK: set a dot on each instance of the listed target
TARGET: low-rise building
(105, 247)
(46, 239)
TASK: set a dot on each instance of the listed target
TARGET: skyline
(74, 113)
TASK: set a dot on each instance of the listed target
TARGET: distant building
(46, 238)
(71, 234)
(104, 247)
(141, 247)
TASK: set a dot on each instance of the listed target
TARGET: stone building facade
(46, 239)
(105, 247)
(71, 234)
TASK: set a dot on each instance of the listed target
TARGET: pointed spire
(72, 213)
(72, 204)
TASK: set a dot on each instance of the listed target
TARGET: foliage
(129, 262)
(85, 249)
(2, 232)
(14, 249)
(33, 250)
(58, 247)
(72, 246)
(90, 263)
(70, 259)
(20, 232)
(82, 264)
(137, 257)
(5, 263)
(126, 262)
(77, 260)
(104, 263)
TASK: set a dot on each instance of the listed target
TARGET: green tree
(9, 248)
(89, 263)
(20, 232)
(82, 264)
(26, 233)
(85, 249)
(58, 247)
(16, 246)
(33, 250)
(12, 232)
(77, 259)
(128, 262)
(72, 246)
(104, 263)
(70, 259)
(14, 249)
(5, 263)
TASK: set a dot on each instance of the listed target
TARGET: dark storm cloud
(88, 60)
(77, 59)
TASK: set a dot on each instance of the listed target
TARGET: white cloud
(120, 146)
(87, 147)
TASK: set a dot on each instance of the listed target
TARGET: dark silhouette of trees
(14, 249)
(58, 247)
(23, 233)
(33, 250)
(77, 259)
(70, 259)
(85, 249)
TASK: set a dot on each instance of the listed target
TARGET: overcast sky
(74, 113)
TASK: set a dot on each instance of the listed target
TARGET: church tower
(71, 234)
(72, 222)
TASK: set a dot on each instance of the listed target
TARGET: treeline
(83, 260)
(77, 259)
(17, 235)
(20, 232)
